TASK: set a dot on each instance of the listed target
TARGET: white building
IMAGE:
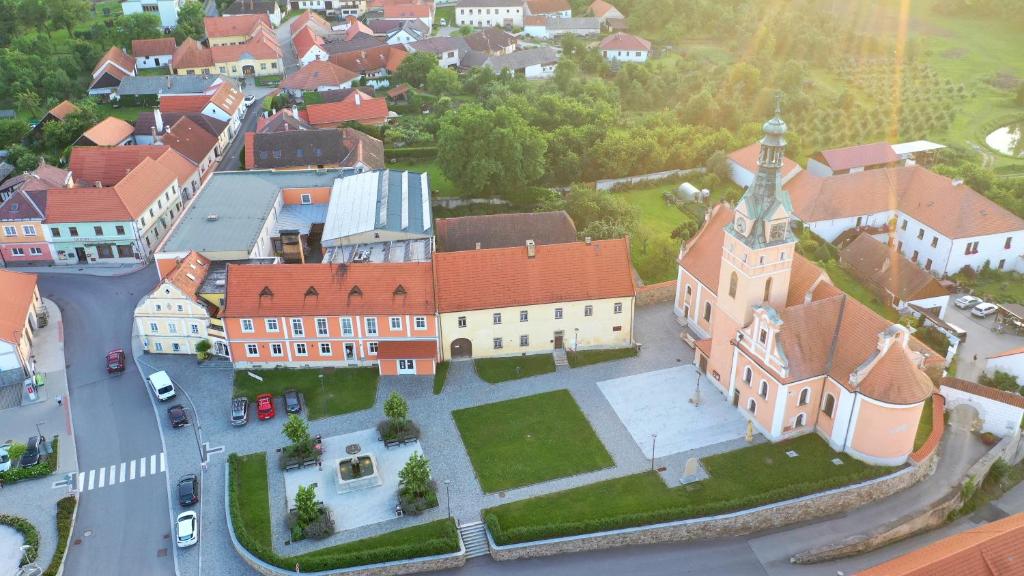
(1000, 412)
(167, 9)
(551, 26)
(532, 63)
(743, 166)
(623, 47)
(487, 13)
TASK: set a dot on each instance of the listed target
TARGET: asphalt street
(123, 527)
(232, 159)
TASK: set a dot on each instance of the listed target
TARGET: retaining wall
(654, 293)
(653, 176)
(739, 523)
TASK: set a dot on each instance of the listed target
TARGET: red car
(115, 361)
(265, 406)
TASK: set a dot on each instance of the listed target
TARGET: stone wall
(447, 202)
(739, 523)
(651, 177)
(654, 293)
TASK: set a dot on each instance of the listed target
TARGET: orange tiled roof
(191, 54)
(625, 41)
(143, 185)
(308, 18)
(895, 379)
(183, 103)
(408, 11)
(356, 27)
(190, 139)
(190, 272)
(1010, 352)
(355, 107)
(69, 205)
(109, 165)
(857, 156)
(116, 56)
(153, 47)
(17, 292)
(110, 131)
(227, 98)
(548, 6)
(316, 74)
(329, 289)
(599, 8)
(414, 349)
(703, 256)
(60, 111)
(502, 277)
(882, 265)
(305, 40)
(182, 168)
(362, 61)
(237, 25)
(262, 46)
(985, 391)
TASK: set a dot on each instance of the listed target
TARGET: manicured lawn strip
(440, 375)
(924, 428)
(529, 440)
(495, 370)
(250, 500)
(124, 112)
(161, 71)
(348, 389)
(742, 479)
(588, 357)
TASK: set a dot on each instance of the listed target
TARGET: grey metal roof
(300, 217)
(149, 85)
(217, 274)
(441, 44)
(523, 58)
(391, 200)
(575, 23)
(413, 250)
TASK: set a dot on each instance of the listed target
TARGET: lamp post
(323, 394)
(38, 432)
(576, 341)
(448, 496)
(654, 440)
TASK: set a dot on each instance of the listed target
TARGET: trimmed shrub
(28, 533)
(390, 430)
(411, 153)
(42, 469)
(65, 512)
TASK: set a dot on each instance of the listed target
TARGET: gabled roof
(22, 205)
(143, 185)
(189, 139)
(237, 25)
(282, 120)
(492, 39)
(441, 44)
(504, 230)
(191, 54)
(864, 155)
(415, 28)
(182, 168)
(599, 8)
(189, 274)
(109, 165)
(182, 103)
(410, 10)
(110, 131)
(702, 255)
(329, 289)
(521, 59)
(147, 121)
(1010, 352)
(336, 44)
(309, 18)
(43, 177)
(299, 148)
(262, 46)
(227, 98)
(356, 107)
(316, 74)
(882, 265)
(17, 293)
(70, 205)
(115, 56)
(399, 349)
(61, 111)
(1009, 398)
(370, 60)
(356, 27)
(305, 40)
(153, 47)
(548, 6)
(168, 84)
(504, 277)
(625, 41)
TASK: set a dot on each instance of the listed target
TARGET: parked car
(186, 528)
(162, 385)
(188, 490)
(292, 403)
(115, 361)
(265, 406)
(239, 411)
(966, 301)
(5, 457)
(984, 309)
(33, 452)
(177, 415)
(249, 100)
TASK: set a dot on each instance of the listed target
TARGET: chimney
(295, 111)
(168, 81)
(359, 100)
(98, 184)
(587, 240)
(152, 132)
(477, 245)
(42, 162)
(531, 248)
(158, 120)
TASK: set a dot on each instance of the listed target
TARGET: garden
(342, 390)
(496, 370)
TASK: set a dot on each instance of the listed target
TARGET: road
(232, 159)
(124, 528)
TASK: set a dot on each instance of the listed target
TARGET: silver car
(186, 529)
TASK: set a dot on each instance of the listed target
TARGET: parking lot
(981, 341)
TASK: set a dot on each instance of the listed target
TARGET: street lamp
(576, 341)
(38, 433)
(448, 496)
(654, 440)
(323, 394)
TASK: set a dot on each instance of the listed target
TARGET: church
(792, 352)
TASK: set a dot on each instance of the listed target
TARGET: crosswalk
(120, 473)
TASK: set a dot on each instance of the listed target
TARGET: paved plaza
(10, 550)
(661, 402)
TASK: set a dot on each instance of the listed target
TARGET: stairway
(474, 537)
(560, 358)
(216, 362)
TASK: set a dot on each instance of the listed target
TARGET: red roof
(858, 156)
(356, 27)
(227, 97)
(1010, 352)
(625, 41)
(329, 289)
(183, 103)
(143, 185)
(305, 40)
(153, 47)
(262, 46)
(17, 292)
(237, 25)
(68, 205)
(190, 139)
(355, 107)
(191, 54)
(308, 18)
(316, 74)
(503, 277)
(190, 272)
(984, 391)
(60, 111)
(408, 11)
(406, 349)
(109, 165)
(110, 131)
(376, 58)
(116, 56)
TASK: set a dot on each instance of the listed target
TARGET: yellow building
(258, 56)
(535, 299)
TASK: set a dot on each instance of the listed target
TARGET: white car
(5, 457)
(249, 100)
(964, 302)
(186, 529)
(984, 309)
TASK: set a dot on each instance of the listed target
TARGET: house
(21, 314)
(341, 8)
(318, 76)
(308, 46)
(379, 206)
(535, 299)
(110, 131)
(399, 31)
(989, 549)
(625, 47)
(743, 166)
(417, 11)
(312, 20)
(44, 177)
(487, 13)
(255, 7)
(115, 65)
(153, 52)
(283, 120)
(504, 230)
(448, 49)
(222, 102)
(532, 63)
(153, 128)
(333, 315)
(101, 167)
(552, 26)
(893, 278)
(604, 11)
(56, 114)
(227, 30)
(793, 353)
(24, 236)
(195, 142)
(1010, 361)
(259, 56)
(356, 107)
(398, 94)
(374, 64)
(492, 41)
(341, 44)
(134, 86)
(852, 159)
(167, 9)
(556, 8)
(304, 149)
(173, 318)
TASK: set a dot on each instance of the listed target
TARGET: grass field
(588, 357)
(249, 479)
(347, 389)
(440, 185)
(161, 71)
(657, 220)
(440, 375)
(528, 440)
(924, 428)
(495, 370)
(127, 113)
(741, 479)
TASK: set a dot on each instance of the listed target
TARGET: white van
(162, 385)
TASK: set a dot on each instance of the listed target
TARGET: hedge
(28, 533)
(44, 468)
(411, 153)
(65, 513)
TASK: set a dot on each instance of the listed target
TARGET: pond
(1008, 139)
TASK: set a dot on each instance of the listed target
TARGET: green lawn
(161, 71)
(657, 220)
(383, 548)
(440, 185)
(996, 285)
(924, 428)
(347, 389)
(495, 370)
(124, 112)
(529, 440)
(446, 12)
(847, 283)
(742, 479)
(588, 357)
(440, 375)
(312, 97)
(249, 486)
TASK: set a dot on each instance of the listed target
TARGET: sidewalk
(90, 269)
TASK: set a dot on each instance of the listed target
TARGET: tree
(23, 159)
(68, 13)
(597, 213)
(718, 164)
(414, 69)
(12, 131)
(306, 507)
(140, 26)
(27, 101)
(414, 477)
(686, 230)
(1000, 380)
(566, 73)
(203, 349)
(396, 408)
(190, 22)
(441, 81)
(296, 430)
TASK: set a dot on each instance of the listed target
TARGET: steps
(474, 536)
(560, 358)
(218, 363)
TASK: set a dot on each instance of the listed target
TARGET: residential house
(398, 94)
(399, 31)
(43, 177)
(104, 167)
(340, 8)
(308, 46)
(115, 65)
(408, 11)
(259, 56)
(449, 49)
(312, 20)
(110, 131)
(852, 159)
(153, 127)
(341, 44)
(166, 9)
(153, 52)
(1010, 361)
(305, 149)
(604, 11)
(174, 317)
(487, 13)
(318, 76)
(556, 8)
(283, 120)
(24, 237)
(356, 107)
(625, 47)
(895, 280)
(333, 315)
(492, 41)
(255, 7)
(221, 102)
(535, 299)
(552, 26)
(532, 63)
(134, 86)
(21, 314)
(743, 166)
(793, 353)
(196, 143)
(504, 230)
(55, 114)
(374, 64)
(228, 30)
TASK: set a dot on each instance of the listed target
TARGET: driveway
(981, 342)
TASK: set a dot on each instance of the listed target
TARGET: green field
(440, 185)
(495, 370)
(347, 389)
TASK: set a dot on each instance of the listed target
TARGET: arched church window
(767, 289)
(733, 281)
(830, 405)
